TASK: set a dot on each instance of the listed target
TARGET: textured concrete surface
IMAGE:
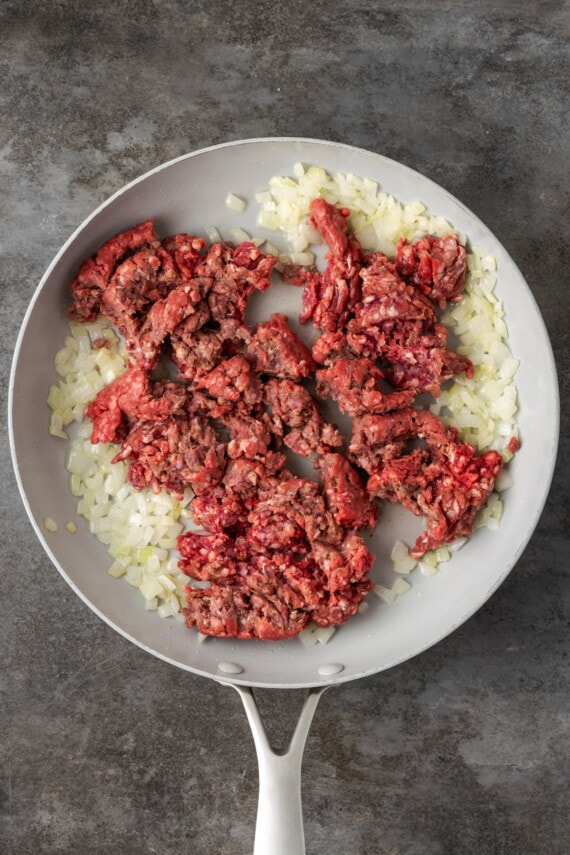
(463, 751)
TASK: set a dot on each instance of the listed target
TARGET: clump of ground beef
(279, 551)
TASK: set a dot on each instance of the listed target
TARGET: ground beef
(173, 453)
(251, 435)
(163, 317)
(398, 323)
(345, 494)
(149, 288)
(302, 500)
(355, 384)
(198, 347)
(328, 298)
(235, 273)
(387, 297)
(377, 438)
(277, 351)
(279, 572)
(250, 479)
(136, 285)
(437, 265)
(186, 252)
(218, 510)
(393, 332)
(232, 381)
(292, 405)
(281, 551)
(130, 398)
(267, 601)
(95, 272)
(444, 481)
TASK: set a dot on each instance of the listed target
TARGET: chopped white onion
(213, 234)
(401, 587)
(427, 569)
(239, 235)
(313, 634)
(389, 595)
(235, 203)
(401, 558)
(504, 481)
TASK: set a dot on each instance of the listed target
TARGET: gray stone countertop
(462, 751)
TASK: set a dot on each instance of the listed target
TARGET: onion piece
(401, 558)
(235, 203)
(213, 234)
(239, 235)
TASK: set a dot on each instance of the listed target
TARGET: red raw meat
(280, 551)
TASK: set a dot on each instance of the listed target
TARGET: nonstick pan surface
(188, 194)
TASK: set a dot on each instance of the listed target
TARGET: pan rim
(549, 461)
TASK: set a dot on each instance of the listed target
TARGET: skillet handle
(279, 826)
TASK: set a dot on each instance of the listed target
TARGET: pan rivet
(229, 668)
(330, 669)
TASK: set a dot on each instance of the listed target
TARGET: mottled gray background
(461, 751)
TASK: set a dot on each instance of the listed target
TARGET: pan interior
(188, 194)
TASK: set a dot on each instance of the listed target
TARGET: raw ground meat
(345, 494)
(328, 298)
(128, 399)
(293, 406)
(443, 480)
(279, 551)
(279, 571)
(95, 272)
(355, 384)
(276, 350)
(436, 265)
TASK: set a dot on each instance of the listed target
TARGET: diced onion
(402, 560)
(213, 234)
(239, 235)
(401, 587)
(313, 634)
(384, 593)
(307, 638)
(504, 481)
(389, 595)
(235, 203)
(323, 634)
(427, 568)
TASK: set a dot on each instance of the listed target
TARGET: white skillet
(188, 194)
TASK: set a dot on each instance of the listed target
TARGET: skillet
(188, 194)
